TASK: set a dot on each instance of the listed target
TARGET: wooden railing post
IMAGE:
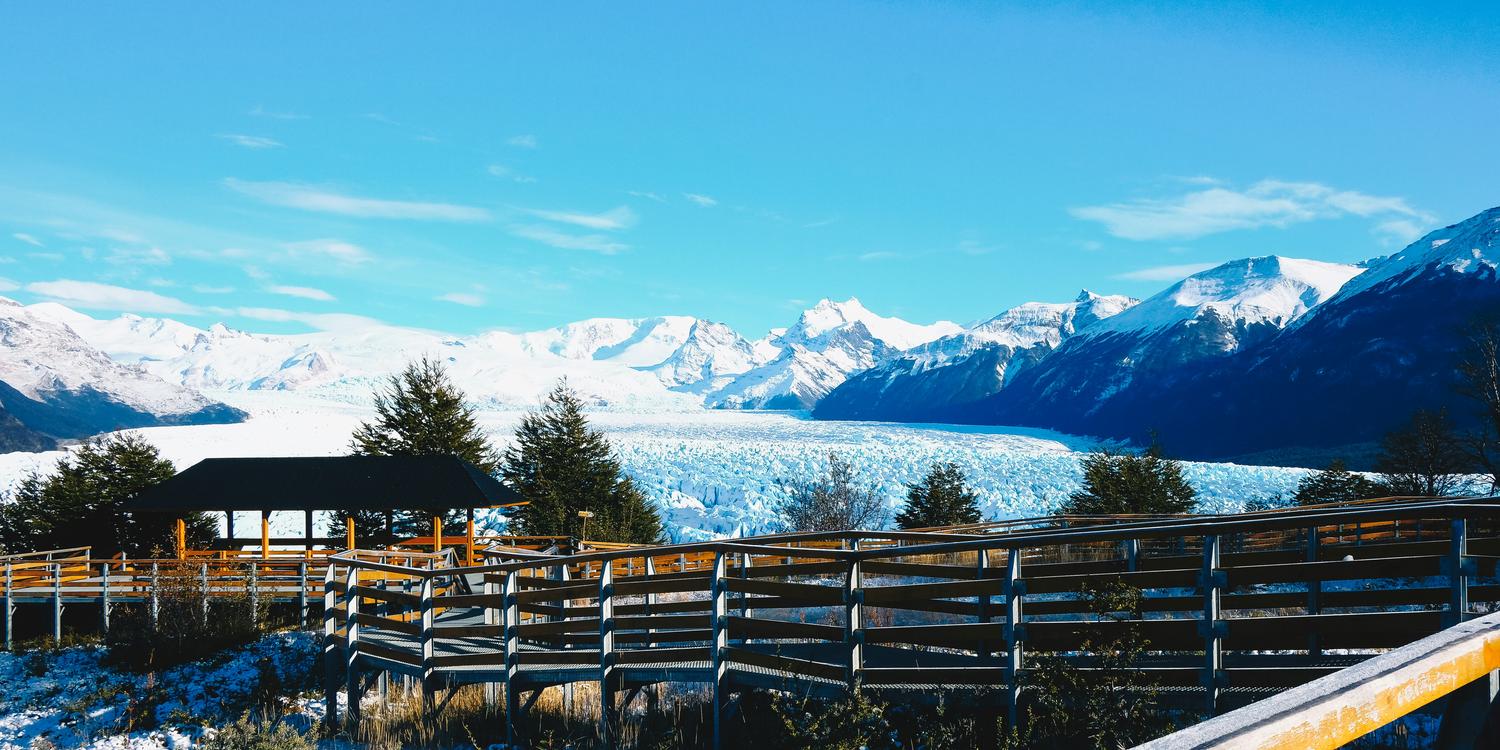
(155, 596)
(982, 602)
(854, 620)
(104, 602)
(1132, 555)
(1458, 572)
(607, 652)
(1211, 582)
(332, 669)
(304, 610)
(1314, 593)
(428, 645)
(719, 627)
(510, 622)
(203, 581)
(351, 644)
(10, 608)
(254, 583)
(57, 605)
(1015, 635)
(650, 600)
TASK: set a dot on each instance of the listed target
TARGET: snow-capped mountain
(1355, 367)
(829, 342)
(941, 378)
(712, 355)
(56, 384)
(1209, 315)
(661, 363)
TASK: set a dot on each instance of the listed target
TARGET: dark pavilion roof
(326, 483)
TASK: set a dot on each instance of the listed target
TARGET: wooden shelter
(324, 483)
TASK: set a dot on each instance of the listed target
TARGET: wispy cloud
(878, 255)
(339, 250)
(522, 141)
(259, 111)
(319, 321)
(28, 239)
(500, 170)
(96, 296)
(1215, 209)
(468, 299)
(7, 285)
(251, 141)
(54, 257)
(305, 292)
(647, 194)
(700, 199)
(309, 198)
(546, 235)
(1400, 231)
(1165, 273)
(612, 220)
(208, 289)
(135, 256)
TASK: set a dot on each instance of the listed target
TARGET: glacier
(714, 473)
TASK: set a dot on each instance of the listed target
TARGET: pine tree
(1131, 483)
(835, 501)
(79, 503)
(1336, 484)
(420, 413)
(942, 498)
(562, 466)
(1427, 458)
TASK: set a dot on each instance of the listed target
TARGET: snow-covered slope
(828, 343)
(56, 383)
(936, 380)
(669, 362)
(1209, 315)
(1251, 292)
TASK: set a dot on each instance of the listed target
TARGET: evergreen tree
(1131, 483)
(562, 466)
(420, 413)
(1336, 484)
(1427, 458)
(942, 498)
(832, 502)
(79, 503)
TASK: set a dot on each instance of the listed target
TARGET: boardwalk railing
(1235, 608)
(1335, 710)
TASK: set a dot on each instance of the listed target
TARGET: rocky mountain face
(53, 384)
(942, 379)
(1341, 376)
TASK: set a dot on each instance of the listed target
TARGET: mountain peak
(1470, 245)
(1265, 289)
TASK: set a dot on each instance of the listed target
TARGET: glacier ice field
(718, 473)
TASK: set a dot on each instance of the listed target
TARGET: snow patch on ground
(73, 698)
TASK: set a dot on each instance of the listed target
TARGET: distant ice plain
(715, 473)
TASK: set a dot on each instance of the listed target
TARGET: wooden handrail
(1332, 711)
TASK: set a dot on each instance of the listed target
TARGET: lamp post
(585, 515)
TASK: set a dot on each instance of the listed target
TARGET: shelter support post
(469, 540)
(265, 535)
(307, 530)
(348, 532)
(229, 526)
(437, 533)
(181, 538)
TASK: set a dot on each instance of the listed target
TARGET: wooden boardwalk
(1236, 607)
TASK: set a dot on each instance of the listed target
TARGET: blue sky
(475, 166)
